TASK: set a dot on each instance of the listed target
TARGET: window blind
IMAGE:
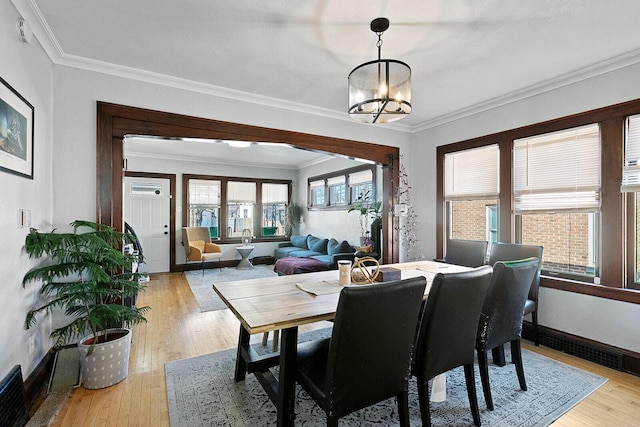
(316, 184)
(336, 180)
(360, 177)
(204, 192)
(241, 192)
(472, 174)
(631, 166)
(557, 171)
(275, 193)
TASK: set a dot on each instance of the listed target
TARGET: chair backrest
(194, 234)
(447, 332)
(470, 253)
(371, 344)
(503, 308)
(514, 251)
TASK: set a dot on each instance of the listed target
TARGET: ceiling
(277, 156)
(466, 55)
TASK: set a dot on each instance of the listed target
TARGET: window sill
(601, 291)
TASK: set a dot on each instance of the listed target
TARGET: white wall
(28, 70)
(612, 322)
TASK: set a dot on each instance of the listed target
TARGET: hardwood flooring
(176, 329)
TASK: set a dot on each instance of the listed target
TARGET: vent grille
(577, 348)
(13, 406)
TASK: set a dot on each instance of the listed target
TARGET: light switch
(24, 218)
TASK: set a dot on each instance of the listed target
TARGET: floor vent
(578, 348)
(13, 406)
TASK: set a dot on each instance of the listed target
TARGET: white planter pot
(108, 364)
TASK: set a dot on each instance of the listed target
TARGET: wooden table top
(272, 303)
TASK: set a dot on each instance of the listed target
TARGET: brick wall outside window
(563, 236)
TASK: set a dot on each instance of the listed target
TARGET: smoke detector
(25, 34)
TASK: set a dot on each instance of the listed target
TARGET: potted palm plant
(89, 278)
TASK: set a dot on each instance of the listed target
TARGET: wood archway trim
(115, 121)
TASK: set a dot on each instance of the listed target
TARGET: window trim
(613, 257)
(222, 225)
(341, 173)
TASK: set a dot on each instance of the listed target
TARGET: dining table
(285, 303)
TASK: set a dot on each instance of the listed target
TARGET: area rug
(202, 289)
(201, 392)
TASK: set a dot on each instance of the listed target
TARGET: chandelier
(380, 91)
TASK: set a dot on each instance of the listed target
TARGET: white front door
(146, 209)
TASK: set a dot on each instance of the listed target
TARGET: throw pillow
(331, 246)
(344, 248)
(299, 241)
(317, 244)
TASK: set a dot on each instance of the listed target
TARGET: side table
(244, 252)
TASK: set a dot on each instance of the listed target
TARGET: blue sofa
(329, 251)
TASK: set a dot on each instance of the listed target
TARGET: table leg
(286, 404)
(241, 364)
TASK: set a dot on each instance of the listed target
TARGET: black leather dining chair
(501, 317)
(515, 251)
(367, 358)
(447, 333)
(469, 253)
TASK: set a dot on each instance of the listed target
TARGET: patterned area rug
(202, 289)
(201, 392)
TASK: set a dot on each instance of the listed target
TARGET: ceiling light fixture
(239, 144)
(380, 91)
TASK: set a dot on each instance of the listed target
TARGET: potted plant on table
(89, 278)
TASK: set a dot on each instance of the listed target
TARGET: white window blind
(275, 193)
(631, 167)
(241, 192)
(558, 171)
(360, 177)
(336, 180)
(204, 192)
(472, 174)
(316, 184)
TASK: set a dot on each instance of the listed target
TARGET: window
(631, 186)
(241, 201)
(492, 224)
(317, 193)
(204, 205)
(340, 189)
(471, 193)
(556, 189)
(258, 205)
(360, 184)
(578, 178)
(337, 190)
(274, 206)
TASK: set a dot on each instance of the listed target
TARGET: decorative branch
(407, 226)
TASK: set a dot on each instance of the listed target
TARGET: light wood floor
(176, 329)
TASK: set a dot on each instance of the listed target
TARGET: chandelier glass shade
(380, 90)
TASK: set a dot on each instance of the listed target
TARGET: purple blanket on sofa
(295, 265)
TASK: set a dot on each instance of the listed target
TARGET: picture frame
(16, 132)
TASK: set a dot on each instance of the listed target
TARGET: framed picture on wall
(16, 132)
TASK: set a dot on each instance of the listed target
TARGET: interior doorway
(114, 122)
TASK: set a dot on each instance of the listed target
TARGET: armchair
(198, 247)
